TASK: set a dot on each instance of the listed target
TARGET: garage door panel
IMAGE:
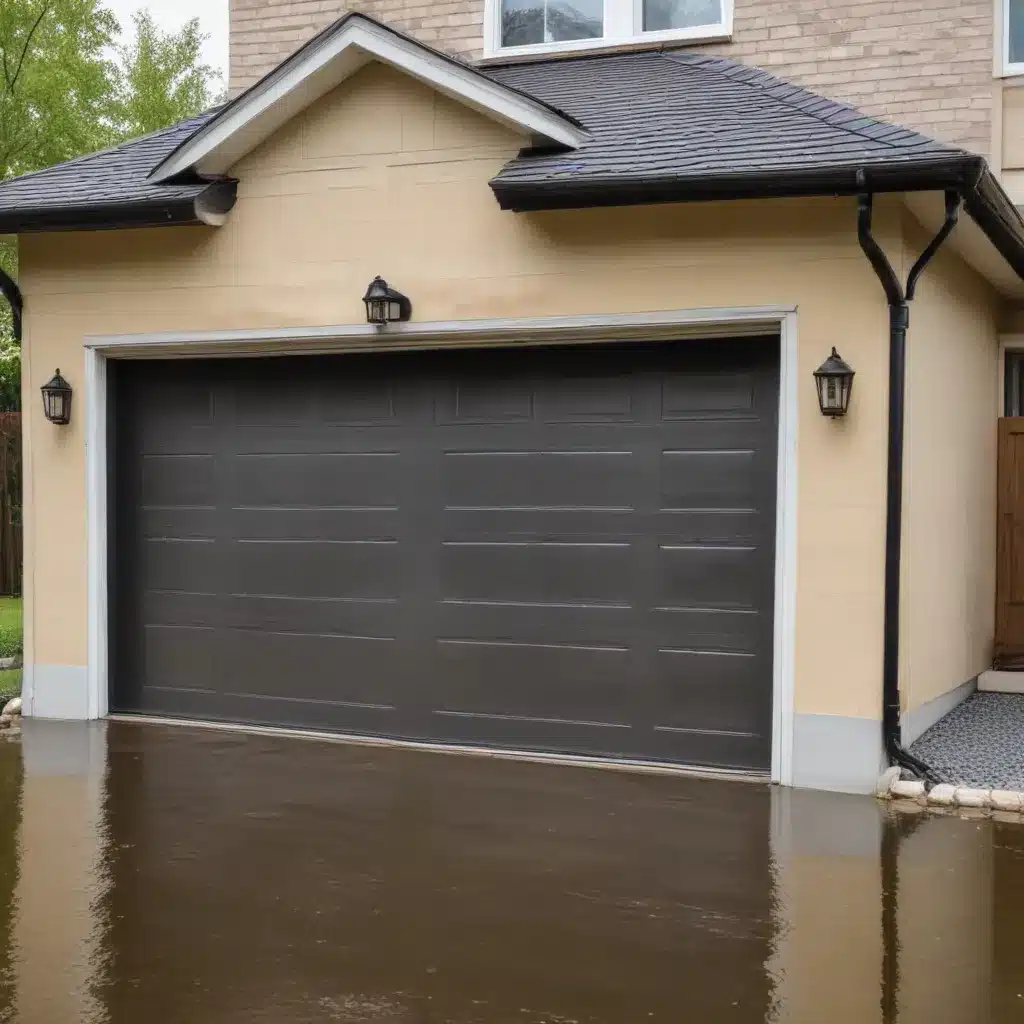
(316, 524)
(179, 523)
(523, 479)
(186, 566)
(541, 571)
(308, 615)
(554, 523)
(587, 737)
(308, 714)
(367, 569)
(567, 550)
(311, 666)
(712, 629)
(538, 622)
(585, 399)
(709, 479)
(181, 657)
(494, 677)
(335, 479)
(714, 527)
(716, 749)
(710, 576)
(709, 690)
(685, 395)
(178, 480)
(484, 399)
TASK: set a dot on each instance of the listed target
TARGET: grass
(10, 626)
(11, 632)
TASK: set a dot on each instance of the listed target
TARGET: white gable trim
(337, 55)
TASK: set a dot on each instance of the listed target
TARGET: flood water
(165, 875)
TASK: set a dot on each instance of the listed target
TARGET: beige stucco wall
(343, 194)
(950, 495)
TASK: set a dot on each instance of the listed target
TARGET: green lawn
(10, 644)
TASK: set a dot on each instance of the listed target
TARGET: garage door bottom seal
(537, 757)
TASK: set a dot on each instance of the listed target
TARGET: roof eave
(956, 172)
(984, 198)
(208, 208)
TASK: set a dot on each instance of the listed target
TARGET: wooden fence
(10, 503)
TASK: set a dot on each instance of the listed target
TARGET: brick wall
(923, 63)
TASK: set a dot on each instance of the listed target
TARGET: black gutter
(217, 198)
(965, 173)
(899, 300)
(12, 293)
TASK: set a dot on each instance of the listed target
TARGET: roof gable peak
(328, 60)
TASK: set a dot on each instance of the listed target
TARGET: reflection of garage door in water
(550, 549)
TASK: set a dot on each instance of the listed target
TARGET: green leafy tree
(56, 81)
(160, 78)
(62, 96)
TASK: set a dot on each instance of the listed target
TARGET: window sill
(1012, 71)
(645, 40)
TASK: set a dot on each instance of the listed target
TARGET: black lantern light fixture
(385, 305)
(57, 400)
(834, 379)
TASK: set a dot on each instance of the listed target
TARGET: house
(576, 494)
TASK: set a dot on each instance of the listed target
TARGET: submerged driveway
(186, 875)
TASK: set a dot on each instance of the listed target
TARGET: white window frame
(623, 25)
(1009, 68)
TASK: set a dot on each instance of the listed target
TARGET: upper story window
(1013, 37)
(546, 26)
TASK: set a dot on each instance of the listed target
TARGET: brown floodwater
(165, 874)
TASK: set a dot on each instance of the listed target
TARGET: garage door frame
(671, 325)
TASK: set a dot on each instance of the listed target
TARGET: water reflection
(165, 875)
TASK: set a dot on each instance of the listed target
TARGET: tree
(160, 78)
(55, 81)
(61, 96)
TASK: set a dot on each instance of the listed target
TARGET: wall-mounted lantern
(57, 395)
(384, 305)
(834, 379)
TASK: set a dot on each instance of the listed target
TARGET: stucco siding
(950, 496)
(927, 65)
(336, 198)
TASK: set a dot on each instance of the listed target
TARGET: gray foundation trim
(917, 722)
(58, 692)
(842, 755)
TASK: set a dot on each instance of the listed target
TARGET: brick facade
(926, 64)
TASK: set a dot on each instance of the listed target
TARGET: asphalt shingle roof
(663, 126)
(111, 180)
(687, 117)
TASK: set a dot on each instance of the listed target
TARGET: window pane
(1016, 31)
(550, 21)
(665, 14)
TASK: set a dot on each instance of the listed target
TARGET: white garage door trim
(662, 325)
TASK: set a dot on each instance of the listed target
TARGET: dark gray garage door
(553, 549)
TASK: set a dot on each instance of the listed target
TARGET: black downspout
(10, 290)
(899, 320)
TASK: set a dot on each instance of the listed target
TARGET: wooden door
(1010, 546)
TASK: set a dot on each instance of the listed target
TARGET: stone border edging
(914, 795)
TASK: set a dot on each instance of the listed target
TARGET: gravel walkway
(979, 743)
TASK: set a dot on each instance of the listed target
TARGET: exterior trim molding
(328, 60)
(651, 326)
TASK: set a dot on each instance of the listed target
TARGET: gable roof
(675, 125)
(324, 63)
(611, 129)
(109, 189)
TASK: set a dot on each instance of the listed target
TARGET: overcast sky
(172, 14)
